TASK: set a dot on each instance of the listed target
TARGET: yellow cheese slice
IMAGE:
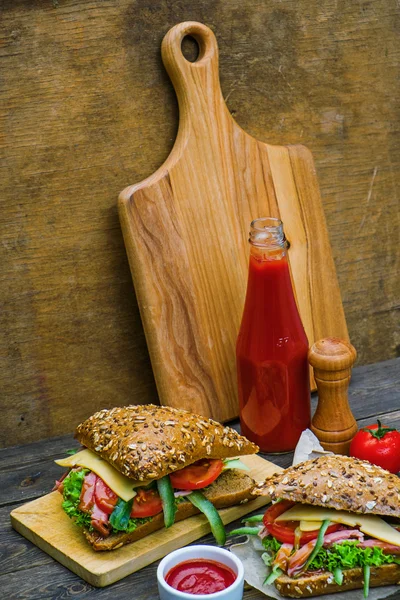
(370, 524)
(120, 484)
(310, 525)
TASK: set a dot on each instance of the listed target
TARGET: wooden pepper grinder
(333, 422)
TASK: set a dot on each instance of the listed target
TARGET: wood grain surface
(44, 523)
(87, 109)
(186, 231)
(28, 472)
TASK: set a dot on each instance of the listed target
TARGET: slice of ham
(282, 556)
(340, 536)
(387, 548)
(263, 533)
(59, 486)
(297, 562)
(87, 498)
(100, 521)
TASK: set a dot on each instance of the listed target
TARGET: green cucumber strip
(209, 510)
(120, 516)
(338, 575)
(234, 463)
(275, 573)
(168, 500)
(319, 543)
(367, 574)
(253, 519)
(246, 531)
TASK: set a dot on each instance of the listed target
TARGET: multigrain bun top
(339, 482)
(147, 442)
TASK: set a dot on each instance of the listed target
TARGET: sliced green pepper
(168, 500)
(319, 543)
(338, 575)
(253, 519)
(275, 573)
(367, 574)
(209, 510)
(246, 531)
(267, 558)
(120, 516)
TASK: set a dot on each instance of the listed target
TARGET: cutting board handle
(196, 83)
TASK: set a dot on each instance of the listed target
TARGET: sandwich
(334, 525)
(145, 467)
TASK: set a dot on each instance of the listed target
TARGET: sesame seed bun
(147, 442)
(339, 482)
(316, 584)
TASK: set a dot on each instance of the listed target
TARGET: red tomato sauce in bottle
(272, 347)
(200, 576)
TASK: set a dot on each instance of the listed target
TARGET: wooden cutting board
(186, 232)
(45, 524)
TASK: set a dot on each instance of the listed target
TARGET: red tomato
(283, 531)
(198, 475)
(106, 499)
(146, 503)
(379, 445)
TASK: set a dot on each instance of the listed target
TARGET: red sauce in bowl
(200, 576)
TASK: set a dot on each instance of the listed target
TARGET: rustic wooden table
(29, 471)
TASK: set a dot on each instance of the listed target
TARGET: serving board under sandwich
(45, 524)
(186, 228)
(130, 447)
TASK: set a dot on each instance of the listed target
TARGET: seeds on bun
(147, 442)
(145, 467)
(338, 482)
(334, 525)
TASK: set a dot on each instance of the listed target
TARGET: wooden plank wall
(88, 109)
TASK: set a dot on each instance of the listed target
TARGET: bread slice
(323, 583)
(232, 487)
(148, 442)
(339, 482)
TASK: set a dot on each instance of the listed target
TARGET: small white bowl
(233, 592)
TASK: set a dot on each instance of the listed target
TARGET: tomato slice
(198, 475)
(106, 499)
(146, 503)
(284, 531)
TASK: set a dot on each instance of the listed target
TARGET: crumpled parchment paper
(249, 552)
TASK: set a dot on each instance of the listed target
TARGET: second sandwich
(334, 526)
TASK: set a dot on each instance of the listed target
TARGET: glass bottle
(272, 347)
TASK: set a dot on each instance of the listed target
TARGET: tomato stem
(380, 432)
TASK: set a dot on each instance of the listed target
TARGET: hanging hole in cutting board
(190, 48)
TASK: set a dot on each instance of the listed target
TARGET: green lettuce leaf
(133, 524)
(72, 487)
(120, 516)
(347, 555)
(271, 545)
(71, 496)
